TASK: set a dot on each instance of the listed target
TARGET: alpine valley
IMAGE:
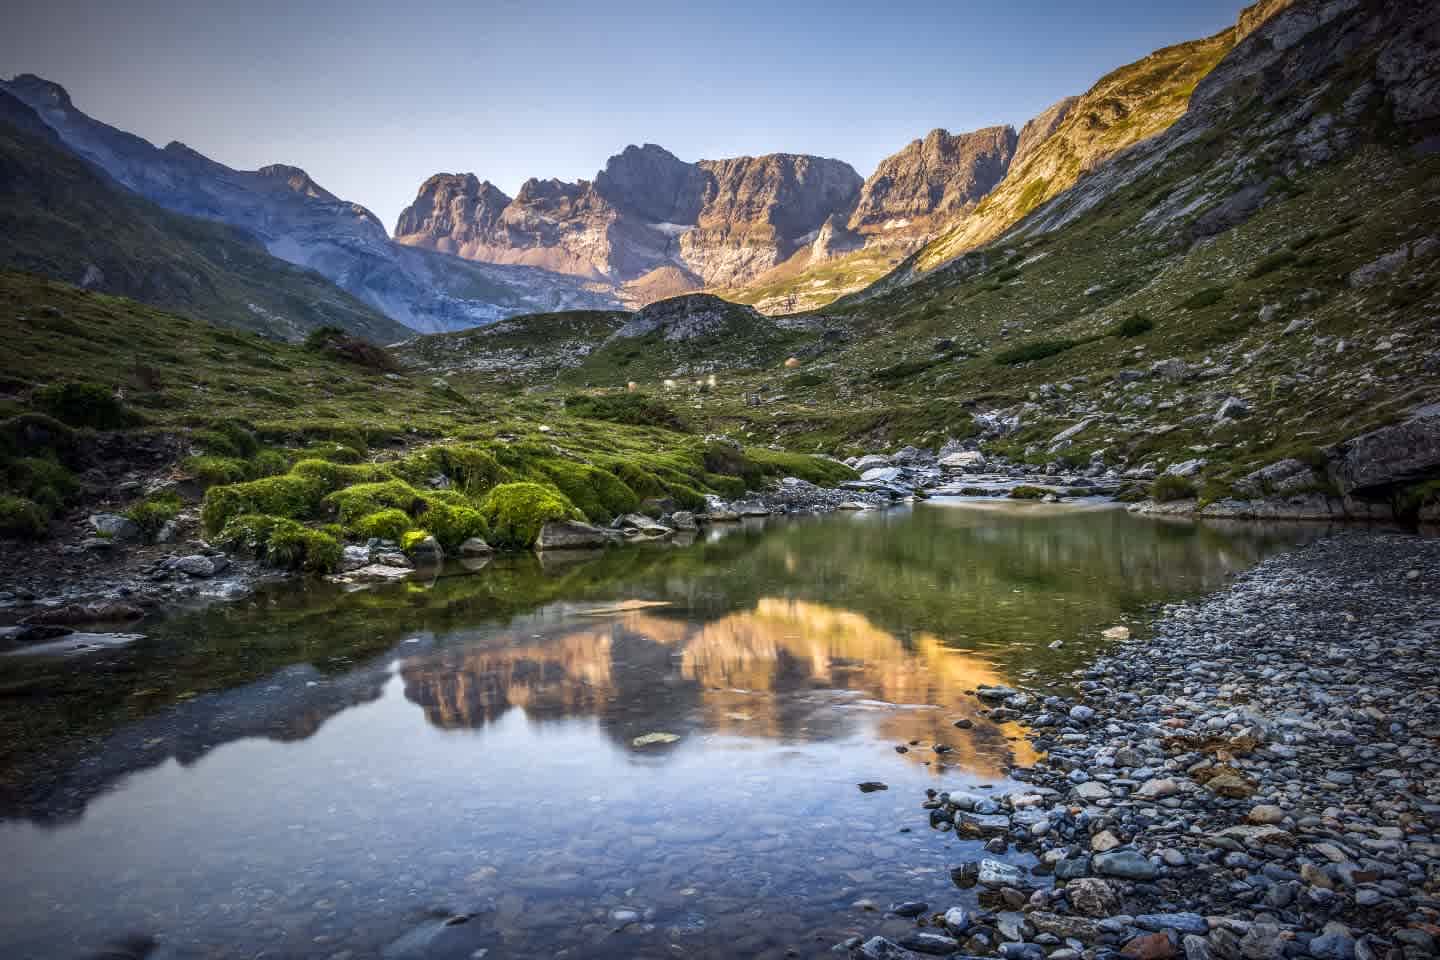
(534, 577)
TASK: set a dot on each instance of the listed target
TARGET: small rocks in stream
(1261, 779)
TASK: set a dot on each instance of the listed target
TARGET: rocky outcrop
(1041, 127)
(1383, 460)
(931, 179)
(648, 223)
(299, 221)
(688, 318)
(458, 210)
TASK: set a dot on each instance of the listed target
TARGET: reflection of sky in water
(486, 766)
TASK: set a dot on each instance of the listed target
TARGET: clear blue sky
(371, 97)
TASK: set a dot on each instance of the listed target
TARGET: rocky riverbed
(1260, 778)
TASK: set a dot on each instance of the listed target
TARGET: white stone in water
(651, 738)
(997, 873)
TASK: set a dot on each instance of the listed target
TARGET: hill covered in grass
(61, 217)
(323, 439)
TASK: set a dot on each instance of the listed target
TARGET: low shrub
(38, 479)
(1168, 488)
(151, 513)
(21, 519)
(515, 512)
(86, 405)
(1027, 492)
(637, 409)
(1038, 350)
(1203, 298)
(335, 342)
(1135, 325)
(29, 434)
(1272, 263)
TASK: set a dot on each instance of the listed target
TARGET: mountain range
(300, 223)
(782, 232)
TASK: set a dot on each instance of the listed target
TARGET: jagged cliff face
(932, 179)
(649, 221)
(299, 221)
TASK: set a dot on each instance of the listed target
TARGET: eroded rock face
(723, 221)
(933, 178)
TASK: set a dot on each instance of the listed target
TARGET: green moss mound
(292, 495)
(282, 542)
(452, 525)
(1027, 492)
(598, 493)
(363, 499)
(388, 524)
(152, 513)
(515, 512)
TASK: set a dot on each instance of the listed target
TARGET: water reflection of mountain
(784, 670)
(291, 704)
(908, 606)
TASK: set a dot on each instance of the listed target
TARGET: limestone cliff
(647, 215)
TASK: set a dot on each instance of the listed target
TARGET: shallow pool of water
(332, 773)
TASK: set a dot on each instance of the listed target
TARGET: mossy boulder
(515, 512)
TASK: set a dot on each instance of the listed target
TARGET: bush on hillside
(334, 342)
(637, 409)
(1038, 350)
(1134, 325)
(86, 405)
(1168, 488)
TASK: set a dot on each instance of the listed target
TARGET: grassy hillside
(297, 448)
(59, 217)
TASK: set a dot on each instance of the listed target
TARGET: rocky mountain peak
(37, 90)
(930, 178)
(653, 183)
(296, 180)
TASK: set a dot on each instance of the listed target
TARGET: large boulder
(570, 535)
(1393, 456)
(115, 526)
(1281, 478)
(964, 461)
